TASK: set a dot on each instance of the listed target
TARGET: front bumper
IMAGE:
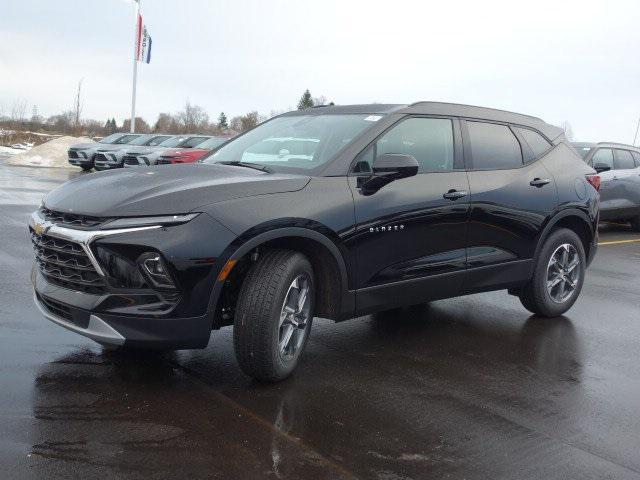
(139, 317)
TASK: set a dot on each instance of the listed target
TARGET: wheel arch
(333, 299)
(574, 219)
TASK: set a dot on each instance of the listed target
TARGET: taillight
(594, 180)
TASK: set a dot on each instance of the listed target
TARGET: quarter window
(603, 156)
(493, 146)
(624, 160)
(428, 140)
(538, 144)
(636, 157)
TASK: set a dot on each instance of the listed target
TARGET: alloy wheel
(294, 317)
(563, 273)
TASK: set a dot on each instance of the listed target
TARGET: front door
(411, 234)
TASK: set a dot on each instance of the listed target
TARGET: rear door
(512, 195)
(411, 234)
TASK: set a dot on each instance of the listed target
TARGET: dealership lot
(464, 388)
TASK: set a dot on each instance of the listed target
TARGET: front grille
(65, 263)
(130, 160)
(73, 154)
(101, 157)
(71, 220)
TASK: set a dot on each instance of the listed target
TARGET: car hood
(165, 190)
(142, 149)
(83, 146)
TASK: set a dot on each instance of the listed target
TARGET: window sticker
(373, 118)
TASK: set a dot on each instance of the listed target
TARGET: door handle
(454, 194)
(539, 182)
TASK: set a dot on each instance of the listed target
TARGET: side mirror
(387, 168)
(601, 167)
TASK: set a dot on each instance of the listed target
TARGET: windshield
(192, 142)
(147, 140)
(172, 141)
(125, 139)
(582, 150)
(300, 142)
(212, 142)
(111, 138)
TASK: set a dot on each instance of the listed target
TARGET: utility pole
(136, 51)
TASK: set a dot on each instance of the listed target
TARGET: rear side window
(538, 144)
(428, 140)
(624, 160)
(493, 146)
(636, 157)
(603, 156)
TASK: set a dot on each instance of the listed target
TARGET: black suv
(333, 212)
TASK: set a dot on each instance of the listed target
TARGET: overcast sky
(575, 61)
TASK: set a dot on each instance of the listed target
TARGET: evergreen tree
(222, 121)
(306, 100)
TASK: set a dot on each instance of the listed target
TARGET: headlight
(128, 222)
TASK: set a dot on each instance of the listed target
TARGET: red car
(190, 155)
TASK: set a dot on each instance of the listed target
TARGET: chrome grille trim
(82, 237)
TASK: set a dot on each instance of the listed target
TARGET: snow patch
(50, 154)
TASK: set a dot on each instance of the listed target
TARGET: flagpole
(135, 68)
(636, 135)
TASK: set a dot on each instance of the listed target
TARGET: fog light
(155, 270)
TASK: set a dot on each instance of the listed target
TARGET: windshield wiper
(255, 166)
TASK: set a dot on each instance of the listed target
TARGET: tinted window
(624, 160)
(428, 140)
(192, 142)
(493, 146)
(636, 157)
(536, 142)
(604, 156)
(125, 139)
(582, 151)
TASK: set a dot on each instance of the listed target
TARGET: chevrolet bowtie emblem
(40, 228)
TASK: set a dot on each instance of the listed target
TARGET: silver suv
(111, 156)
(619, 168)
(83, 154)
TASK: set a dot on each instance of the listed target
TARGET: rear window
(538, 144)
(493, 146)
(624, 160)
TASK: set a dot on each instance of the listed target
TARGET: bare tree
(568, 132)
(18, 111)
(194, 119)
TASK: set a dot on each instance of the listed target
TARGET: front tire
(635, 223)
(273, 315)
(557, 277)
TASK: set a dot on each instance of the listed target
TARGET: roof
(439, 108)
(604, 144)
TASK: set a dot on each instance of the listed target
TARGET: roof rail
(617, 143)
(422, 102)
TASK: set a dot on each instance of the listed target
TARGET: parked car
(134, 157)
(186, 142)
(190, 155)
(396, 205)
(619, 168)
(83, 154)
(112, 156)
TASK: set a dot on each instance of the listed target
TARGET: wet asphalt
(467, 388)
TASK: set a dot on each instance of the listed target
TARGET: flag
(143, 47)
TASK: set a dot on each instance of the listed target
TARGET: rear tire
(273, 315)
(558, 275)
(635, 223)
(86, 168)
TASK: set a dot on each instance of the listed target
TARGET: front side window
(493, 146)
(428, 140)
(604, 156)
(624, 160)
(538, 144)
(295, 143)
